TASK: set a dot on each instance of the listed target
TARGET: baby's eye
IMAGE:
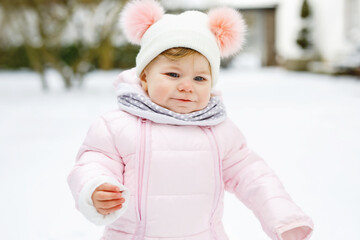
(172, 74)
(198, 78)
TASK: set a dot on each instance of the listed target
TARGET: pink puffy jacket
(174, 178)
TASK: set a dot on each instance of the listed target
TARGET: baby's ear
(229, 28)
(138, 16)
(143, 81)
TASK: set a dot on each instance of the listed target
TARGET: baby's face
(182, 85)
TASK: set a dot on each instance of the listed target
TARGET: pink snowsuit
(174, 178)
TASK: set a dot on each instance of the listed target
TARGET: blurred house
(275, 24)
(84, 34)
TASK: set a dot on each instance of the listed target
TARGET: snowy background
(306, 126)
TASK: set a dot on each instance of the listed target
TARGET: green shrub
(14, 58)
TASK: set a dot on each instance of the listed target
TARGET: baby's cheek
(159, 94)
(162, 91)
(205, 98)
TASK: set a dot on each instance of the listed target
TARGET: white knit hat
(218, 33)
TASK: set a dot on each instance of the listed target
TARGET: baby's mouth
(183, 100)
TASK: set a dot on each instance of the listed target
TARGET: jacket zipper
(140, 232)
(218, 177)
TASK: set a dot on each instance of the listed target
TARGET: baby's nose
(186, 85)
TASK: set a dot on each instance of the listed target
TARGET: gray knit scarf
(141, 105)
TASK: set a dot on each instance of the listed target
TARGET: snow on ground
(306, 126)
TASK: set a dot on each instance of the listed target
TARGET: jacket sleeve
(98, 162)
(252, 181)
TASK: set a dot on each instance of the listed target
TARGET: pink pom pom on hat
(229, 29)
(220, 33)
(138, 16)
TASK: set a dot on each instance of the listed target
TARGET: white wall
(287, 24)
(329, 28)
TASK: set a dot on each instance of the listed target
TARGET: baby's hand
(107, 198)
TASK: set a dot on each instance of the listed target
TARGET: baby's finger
(110, 204)
(106, 196)
(108, 187)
